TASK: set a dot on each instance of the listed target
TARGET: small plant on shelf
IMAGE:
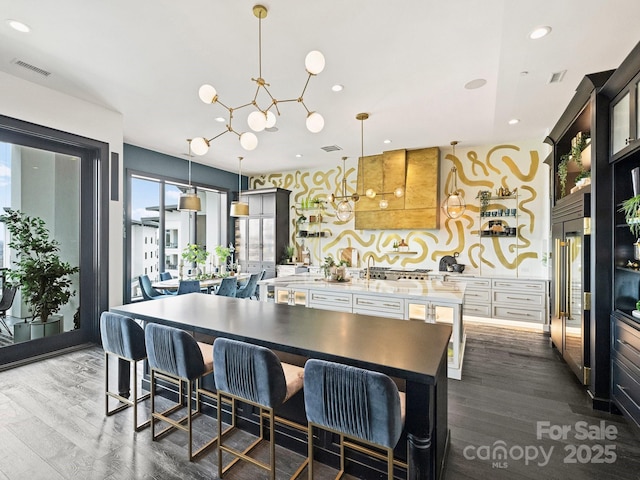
(631, 209)
(563, 169)
(484, 196)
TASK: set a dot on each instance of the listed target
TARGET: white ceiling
(404, 62)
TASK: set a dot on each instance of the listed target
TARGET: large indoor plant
(44, 280)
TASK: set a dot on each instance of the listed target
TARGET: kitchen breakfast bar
(414, 353)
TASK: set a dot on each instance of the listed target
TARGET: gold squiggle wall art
(509, 166)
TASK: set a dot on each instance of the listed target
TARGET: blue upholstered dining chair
(165, 276)
(148, 292)
(188, 286)
(123, 338)
(8, 294)
(253, 375)
(355, 403)
(228, 287)
(248, 290)
(174, 355)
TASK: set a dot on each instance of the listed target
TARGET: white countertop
(416, 289)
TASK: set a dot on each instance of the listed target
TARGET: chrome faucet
(368, 267)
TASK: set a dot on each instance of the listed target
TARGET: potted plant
(328, 267)
(43, 278)
(195, 254)
(222, 253)
(484, 196)
(289, 252)
(631, 209)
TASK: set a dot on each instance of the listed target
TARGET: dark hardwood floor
(52, 424)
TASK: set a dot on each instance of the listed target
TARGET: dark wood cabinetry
(621, 91)
(581, 301)
(262, 236)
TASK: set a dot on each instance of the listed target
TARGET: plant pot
(25, 331)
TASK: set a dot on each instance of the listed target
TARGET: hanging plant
(484, 196)
(631, 209)
(563, 168)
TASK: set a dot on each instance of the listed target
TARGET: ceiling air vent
(557, 77)
(331, 148)
(33, 68)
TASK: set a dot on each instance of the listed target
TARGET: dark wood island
(413, 351)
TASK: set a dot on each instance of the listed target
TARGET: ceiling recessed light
(514, 121)
(298, 155)
(337, 87)
(220, 119)
(386, 141)
(539, 32)
(477, 83)
(19, 26)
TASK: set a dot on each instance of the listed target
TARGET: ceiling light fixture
(539, 32)
(19, 26)
(474, 84)
(337, 87)
(454, 205)
(239, 208)
(514, 121)
(189, 200)
(262, 118)
(344, 209)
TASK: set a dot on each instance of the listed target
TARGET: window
(153, 210)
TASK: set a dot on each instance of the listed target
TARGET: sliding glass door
(55, 178)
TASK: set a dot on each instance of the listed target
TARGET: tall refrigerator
(570, 286)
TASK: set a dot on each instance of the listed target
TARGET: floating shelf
(401, 253)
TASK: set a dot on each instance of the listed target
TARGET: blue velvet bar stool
(228, 287)
(253, 375)
(361, 405)
(174, 355)
(123, 338)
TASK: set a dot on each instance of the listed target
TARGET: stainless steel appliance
(571, 293)
(388, 273)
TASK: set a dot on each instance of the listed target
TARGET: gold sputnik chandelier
(261, 118)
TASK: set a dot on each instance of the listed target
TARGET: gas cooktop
(389, 273)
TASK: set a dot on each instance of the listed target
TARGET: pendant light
(239, 208)
(189, 200)
(344, 209)
(454, 205)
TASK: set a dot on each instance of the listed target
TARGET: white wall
(42, 106)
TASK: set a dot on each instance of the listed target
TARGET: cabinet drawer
(626, 342)
(625, 390)
(471, 281)
(332, 299)
(477, 296)
(529, 286)
(381, 304)
(476, 310)
(518, 300)
(518, 314)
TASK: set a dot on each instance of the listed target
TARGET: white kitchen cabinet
(291, 296)
(520, 300)
(329, 300)
(442, 312)
(391, 307)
